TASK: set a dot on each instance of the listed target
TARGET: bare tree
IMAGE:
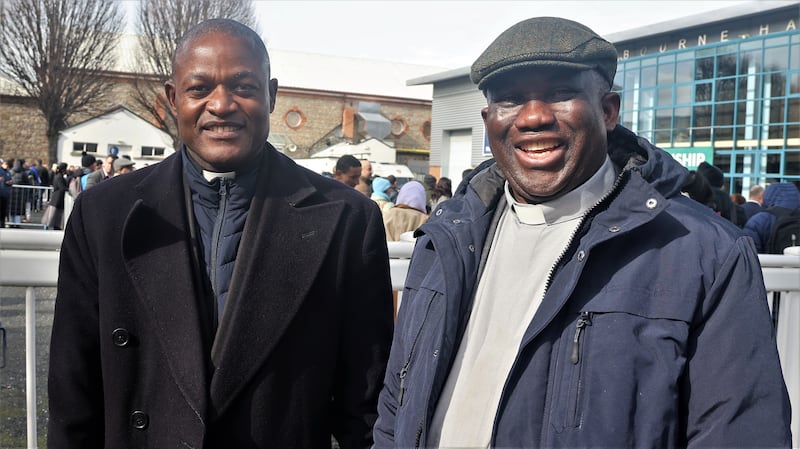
(57, 51)
(161, 23)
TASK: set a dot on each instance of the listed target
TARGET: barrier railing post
(30, 364)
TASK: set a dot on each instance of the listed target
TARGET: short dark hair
(346, 162)
(225, 26)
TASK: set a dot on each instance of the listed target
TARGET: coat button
(651, 203)
(120, 337)
(438, 212)
(581, 255)
(139, 420)
(614, 229)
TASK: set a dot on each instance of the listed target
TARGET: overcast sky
(448, 34)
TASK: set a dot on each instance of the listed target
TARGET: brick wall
(22, 127)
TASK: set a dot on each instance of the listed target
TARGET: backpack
(786, 230)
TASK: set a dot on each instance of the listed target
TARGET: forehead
(219, 48)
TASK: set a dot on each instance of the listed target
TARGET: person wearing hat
(123, 165)
(569, 295)
(381, 189)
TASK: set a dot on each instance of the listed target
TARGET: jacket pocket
(415, 332)
(617, 357)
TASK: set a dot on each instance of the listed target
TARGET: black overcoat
(301, 347)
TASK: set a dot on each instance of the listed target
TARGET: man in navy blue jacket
(568, 295)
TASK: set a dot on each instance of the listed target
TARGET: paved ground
(12, 377)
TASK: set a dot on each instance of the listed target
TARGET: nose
(534, 115)
(221, 102)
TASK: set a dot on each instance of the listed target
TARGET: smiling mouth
(539, 147)
(223, 128)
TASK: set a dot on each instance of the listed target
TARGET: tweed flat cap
(546, 42)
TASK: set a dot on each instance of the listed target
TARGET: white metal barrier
(29, 258)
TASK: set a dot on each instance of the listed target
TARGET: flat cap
(122, 162)
(546, 42)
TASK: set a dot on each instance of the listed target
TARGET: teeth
(222, 129)
(539, 146)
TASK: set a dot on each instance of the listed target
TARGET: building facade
(721, 87)
(322, 100)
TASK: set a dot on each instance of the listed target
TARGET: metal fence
(26, 206)
(29, 259)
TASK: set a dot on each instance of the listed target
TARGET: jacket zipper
(611, 191)
(215, 236)
(583, 321)
(404, 371)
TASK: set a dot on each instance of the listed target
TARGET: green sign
(693, 156)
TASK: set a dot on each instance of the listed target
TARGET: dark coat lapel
(284, 243)
(155, 247)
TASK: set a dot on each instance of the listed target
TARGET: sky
(447, 34)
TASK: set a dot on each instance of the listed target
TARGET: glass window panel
(749, 59)
(683, 94)
(681, 124)
(646, 98)
(665, 96)
(793, 131)
(666, 73)
(627, 99)
(773, 163)
(751, 45)
(703, 92)
(726, 65)
(685, 55)
(775, 41)
(794, 109)
(701, 134)
(777, 84)
(795, 55)
(726, 90)
(792, 166)
(663, 136)
(723, 133)
(723, 114)
(704, 69)
(645, 120)
(776, 59)
(795, 82)
(685, 72)
(648, 76)
(775, 132)
(746, 112)
(631, 78)
(664, 118)
(702, 116)
(777, 110)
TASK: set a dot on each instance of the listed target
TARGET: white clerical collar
(570, 206)
(210, 175)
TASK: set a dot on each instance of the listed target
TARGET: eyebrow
(237, 76)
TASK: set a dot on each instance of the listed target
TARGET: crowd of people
(18, 205)
(404, 207)
(755, 215)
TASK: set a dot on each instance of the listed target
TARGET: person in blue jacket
(568, 295)
(759, 226)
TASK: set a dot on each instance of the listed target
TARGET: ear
(610, 103)
(273, 90)
(169, 91)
